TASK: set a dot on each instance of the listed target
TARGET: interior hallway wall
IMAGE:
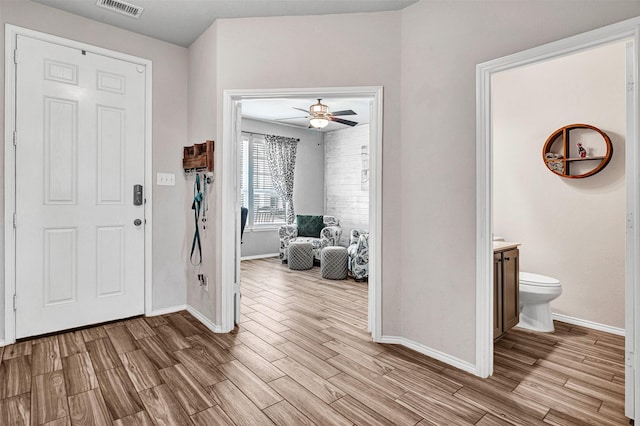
(286, 61)
(426, 60)
(442, 42)
(570, 229)
(202, 109)
(169, 129)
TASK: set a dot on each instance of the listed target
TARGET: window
(257, 193)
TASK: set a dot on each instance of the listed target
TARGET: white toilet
(536, 293)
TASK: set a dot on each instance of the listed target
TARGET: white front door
(80, 123)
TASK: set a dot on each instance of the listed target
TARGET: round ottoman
(333, 263)
(300, 256)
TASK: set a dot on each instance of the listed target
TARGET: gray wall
(426, 60)
(286, 61)
(442, 42)
(308, 187)
(346, 196)
(170, 71)
(202, 126)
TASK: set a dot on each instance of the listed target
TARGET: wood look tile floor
(301, 356)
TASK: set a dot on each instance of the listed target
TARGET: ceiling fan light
(319, 109)
(319, 123)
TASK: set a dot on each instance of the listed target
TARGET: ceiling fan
(319, 116)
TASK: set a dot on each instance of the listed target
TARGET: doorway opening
(231, 190)
(625, 33)
(571, 229)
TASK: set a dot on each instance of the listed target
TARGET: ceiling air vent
(121, 7)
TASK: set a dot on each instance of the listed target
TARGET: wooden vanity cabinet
(497, 295)
(506, 291)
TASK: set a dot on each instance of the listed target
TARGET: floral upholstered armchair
(328, 232)
(358, 251)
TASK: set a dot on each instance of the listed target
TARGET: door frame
(627, 31)
(230, 189)
(11, 33)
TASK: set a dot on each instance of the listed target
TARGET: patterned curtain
(281, 155)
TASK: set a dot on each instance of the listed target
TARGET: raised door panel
(60, 266)
(109, 82)
(61, 72)
(511, 288)
(111, 150)
(497, 295)
(110, 271)
(60, 151)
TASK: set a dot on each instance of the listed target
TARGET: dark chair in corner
(244, 212)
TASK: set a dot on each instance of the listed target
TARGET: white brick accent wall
(346, 197)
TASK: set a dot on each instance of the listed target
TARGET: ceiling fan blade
(341, 121)
(344, 112)
(290, 118)
(306, 111)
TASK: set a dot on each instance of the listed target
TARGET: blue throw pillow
(309, 226)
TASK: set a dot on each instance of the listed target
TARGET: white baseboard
(260, 256)
(199, 316)
(589, 324)
(2, 343)
(204, 320)
(164, 311)
(433, 353)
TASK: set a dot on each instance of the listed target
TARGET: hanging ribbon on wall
(205, 202)
(196, 206)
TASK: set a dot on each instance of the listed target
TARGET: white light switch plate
(166, 179)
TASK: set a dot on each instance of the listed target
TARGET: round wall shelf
(560, 161)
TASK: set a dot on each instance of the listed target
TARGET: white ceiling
(281, 111)
(182, 21)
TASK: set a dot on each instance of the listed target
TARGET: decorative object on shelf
(560, 162)
(582, 153)
(552, 160)
(198, 157)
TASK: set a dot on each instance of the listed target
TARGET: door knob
(137, 222)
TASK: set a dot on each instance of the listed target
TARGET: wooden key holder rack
(198, 157)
